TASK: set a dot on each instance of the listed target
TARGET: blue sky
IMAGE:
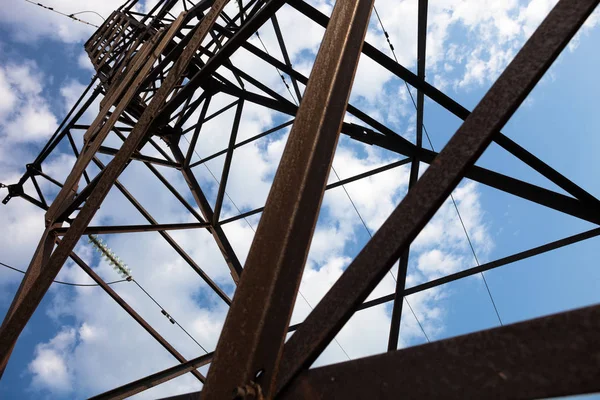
(80, 343)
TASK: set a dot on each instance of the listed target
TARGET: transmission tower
(156, 74)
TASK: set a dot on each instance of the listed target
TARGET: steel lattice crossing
(156, 75)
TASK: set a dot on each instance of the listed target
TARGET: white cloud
(25, 114)
(84, 62)
(49, 367)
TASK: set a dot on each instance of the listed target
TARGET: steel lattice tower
(158, 71)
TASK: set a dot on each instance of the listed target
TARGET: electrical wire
(65, 283)
(166, 314)
(267, 51)
(122, 268)
(89, 12)
(387, 36)
(71, 16)
(371, 236)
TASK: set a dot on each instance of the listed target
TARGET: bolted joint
(15, 190)
(252, 391)
(33, 169)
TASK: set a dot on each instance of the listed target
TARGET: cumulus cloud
(25, 114)
(49, 367)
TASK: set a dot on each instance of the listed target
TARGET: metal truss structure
(157, 72)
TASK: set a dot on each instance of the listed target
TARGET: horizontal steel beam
(106, 230)
(547, 357)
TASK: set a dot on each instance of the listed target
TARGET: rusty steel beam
(546, 357)
(40, 257)
(227, 164)
(149, 381)
(13, 326)
(112, 229)
(139, 157)
(251, 342)
(435, 185)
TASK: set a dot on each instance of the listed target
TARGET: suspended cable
(71, 16)
(277, 69)
(371, 236)
(89, 12)
(168, 316)
(125, 271)
(387, 36)
(65, 283)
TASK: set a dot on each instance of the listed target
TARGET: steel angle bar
(250, 344)
(546, 357)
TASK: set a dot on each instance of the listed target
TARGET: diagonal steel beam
(285, 54)
(150, 381)
(435, 185)
(251, 342)
(487, 266)
(235, 267)
(40, 257)
(105, 230)
(457, 109)
(227, 163)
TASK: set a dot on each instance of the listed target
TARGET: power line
(122, 269)
(66, 283)
(90, 12)
(71, 16)
(387, 36)
(267, 51)
(371, 236)
(169, 317)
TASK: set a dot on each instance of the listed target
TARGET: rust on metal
(157, 74)
(553, 356)
(257, 322)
